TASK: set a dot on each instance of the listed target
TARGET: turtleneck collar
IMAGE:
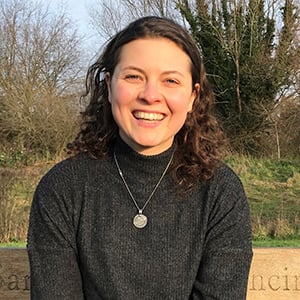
(131, 161)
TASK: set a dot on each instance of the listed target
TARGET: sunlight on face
(151, 93)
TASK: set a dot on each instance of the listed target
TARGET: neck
(141, 172)
(147, 150)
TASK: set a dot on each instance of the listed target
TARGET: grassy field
(272, 187)
(256, 243)
(269, 242)
(273, 190)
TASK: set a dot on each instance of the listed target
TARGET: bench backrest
(274, 274)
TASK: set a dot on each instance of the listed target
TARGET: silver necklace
(140, 219)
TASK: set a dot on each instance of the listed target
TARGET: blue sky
(78, 13)
(77, 10)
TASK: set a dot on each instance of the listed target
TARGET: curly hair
(198, 142)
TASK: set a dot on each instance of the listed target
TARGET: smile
(148, 116)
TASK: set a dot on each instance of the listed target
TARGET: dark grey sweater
(82, 243)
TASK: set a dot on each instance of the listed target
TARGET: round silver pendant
(140, 221)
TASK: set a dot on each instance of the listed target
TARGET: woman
(143, 208)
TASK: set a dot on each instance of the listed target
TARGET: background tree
(286, 121)
(249, 50)
(108, 17)
(40, 63)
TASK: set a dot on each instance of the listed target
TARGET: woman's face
(151, 93)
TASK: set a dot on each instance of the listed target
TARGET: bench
(14, 274)
(274, 274)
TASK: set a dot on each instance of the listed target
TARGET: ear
(107, 80)
(195, 93)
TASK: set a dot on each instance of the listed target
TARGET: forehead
(154, 51)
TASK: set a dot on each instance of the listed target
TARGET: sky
(77, 11)
(75, 8)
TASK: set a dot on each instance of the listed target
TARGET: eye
(132, 77)
(172, 81)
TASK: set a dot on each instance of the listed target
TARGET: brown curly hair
(199, 141)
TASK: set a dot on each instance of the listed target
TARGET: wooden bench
(14, 274)
(274, 274)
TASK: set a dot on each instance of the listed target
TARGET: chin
(151, 147)
(147, 144)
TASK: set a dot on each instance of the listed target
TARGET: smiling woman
(143, 208)
(151, 93)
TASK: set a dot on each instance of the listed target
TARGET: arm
(224, 267)
(54, 271)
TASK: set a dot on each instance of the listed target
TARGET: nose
(150, 92)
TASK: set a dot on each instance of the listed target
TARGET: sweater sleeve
(225, 263)
(51, 244)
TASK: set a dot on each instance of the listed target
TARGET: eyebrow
(142, 71)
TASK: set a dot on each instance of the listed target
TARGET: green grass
(256, 243)
(13, 245)
(273, 190)
(276, 243)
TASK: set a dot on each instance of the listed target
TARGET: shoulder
(226, 188)
(71, 171)
(68, 167)
(225, 176)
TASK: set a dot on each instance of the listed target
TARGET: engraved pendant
(140, 220)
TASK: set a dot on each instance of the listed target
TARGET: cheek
(120, 95)
(179, 102)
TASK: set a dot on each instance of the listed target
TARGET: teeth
(148, 116)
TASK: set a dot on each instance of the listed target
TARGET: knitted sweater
(82, 243)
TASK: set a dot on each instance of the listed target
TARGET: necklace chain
(140, 210)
